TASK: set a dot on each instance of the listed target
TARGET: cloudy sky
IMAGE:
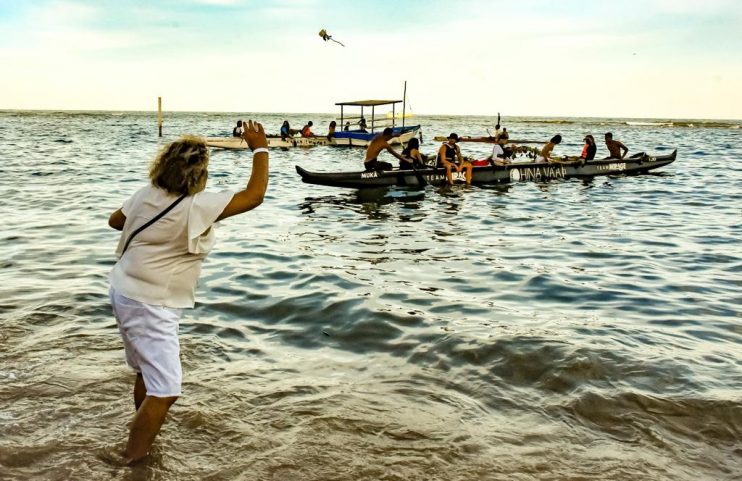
(628, 58)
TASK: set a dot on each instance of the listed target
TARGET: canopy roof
(369, 103)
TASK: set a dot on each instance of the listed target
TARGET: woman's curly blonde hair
(182, 166)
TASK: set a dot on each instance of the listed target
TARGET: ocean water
(565, 330)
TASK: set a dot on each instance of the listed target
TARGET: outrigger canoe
(500, 173)
(401, 134)
(236, 143)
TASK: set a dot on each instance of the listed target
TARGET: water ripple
(584, 329)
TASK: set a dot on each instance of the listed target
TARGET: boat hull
(516, 172)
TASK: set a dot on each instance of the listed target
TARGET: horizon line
(154, 112)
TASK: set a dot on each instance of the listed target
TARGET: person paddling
(379, 143)
(616, 149)
(545, 154)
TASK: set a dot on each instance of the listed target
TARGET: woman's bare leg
(140, 391)
(147, 423)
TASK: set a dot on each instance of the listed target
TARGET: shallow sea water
(564, 330)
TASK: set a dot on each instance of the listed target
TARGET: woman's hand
(254, 135)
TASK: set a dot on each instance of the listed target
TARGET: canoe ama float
(516, 172)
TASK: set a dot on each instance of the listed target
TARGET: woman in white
(158, 267)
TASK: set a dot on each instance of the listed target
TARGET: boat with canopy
(361, 130)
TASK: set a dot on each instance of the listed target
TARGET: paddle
(420, 178)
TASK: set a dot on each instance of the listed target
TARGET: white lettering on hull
(538, 173)
(617, 167)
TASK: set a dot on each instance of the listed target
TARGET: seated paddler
(379, 143)
(413, 159)
(450, 158)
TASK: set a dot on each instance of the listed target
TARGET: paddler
(237, 131)
(503, 136)
(498, 154)
(589, 149)
(615, 147)
(447, 156)
(412, 155)
(545, 154)
(306, 131)
(379, 143)
(331, 130)
(285, 130)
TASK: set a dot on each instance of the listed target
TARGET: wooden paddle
(420, 178)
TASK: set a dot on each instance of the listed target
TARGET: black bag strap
(152, 221)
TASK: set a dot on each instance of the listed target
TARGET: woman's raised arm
(252, 195)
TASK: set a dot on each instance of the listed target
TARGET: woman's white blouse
(163, 262)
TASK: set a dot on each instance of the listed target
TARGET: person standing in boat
(158, 265)
(306, 131)
(545, 154)
(413, 159)
(589, 149)
(331, 130)
(347, 126)
(616, 149)
(237, 131)
(379, 143)
(447, 158)
(285, 130)
(362, 125)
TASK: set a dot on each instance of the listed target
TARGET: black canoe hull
(516, 172)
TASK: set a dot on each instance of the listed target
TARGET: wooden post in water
(404, 101)
(159, 115)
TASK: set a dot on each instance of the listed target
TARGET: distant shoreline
(535, 119)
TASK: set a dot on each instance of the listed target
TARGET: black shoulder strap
(152, 221)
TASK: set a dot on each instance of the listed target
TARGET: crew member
(447, 155)
(379, 143)
(616, 149)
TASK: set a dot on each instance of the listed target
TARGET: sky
(556, 58)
